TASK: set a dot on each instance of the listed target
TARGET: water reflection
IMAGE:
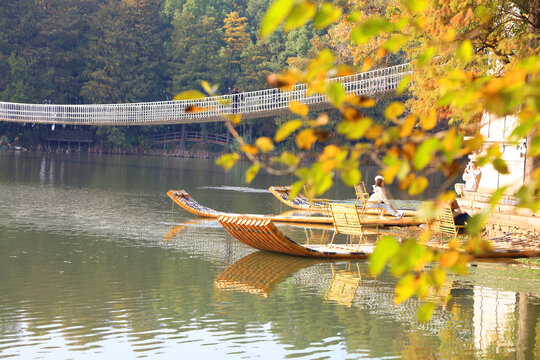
(260, 272)
(95, 263)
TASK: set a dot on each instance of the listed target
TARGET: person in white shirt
(381, 200)
(472, 176)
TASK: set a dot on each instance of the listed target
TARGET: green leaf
(274, 16)
(326, 16)
(501, 166)
(354, 129)
(299, 15)
(386, 248)
(496, 196)
(465, 51)
(336, 93)
(426, 56)
(370, 28)
(477, 222)
(288, 159)
(409, 256)
(418, 185)
(227, 161)
(395, 43)
(351, 177)
(189, 95)
(403, 84)
(252, 172)
(296, 188)
(425, 311)
(425, 153)
(287, 129)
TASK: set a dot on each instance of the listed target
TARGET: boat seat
(347, 219)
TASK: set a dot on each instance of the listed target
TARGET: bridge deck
(255, 104)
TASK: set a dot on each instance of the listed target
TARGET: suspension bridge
(254, 104)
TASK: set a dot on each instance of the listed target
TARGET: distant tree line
(116, 51)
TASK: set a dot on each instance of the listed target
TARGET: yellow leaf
(449, 258)
(298, 108)
(514, 77)
(249, 149)
(234, 119)
(252, 172)
(189, 95)
(367, 64)
(227, 161)
(407, 126)
(330, 151)
(390, 172)
(405, 288)
(210, 90)
(450, 139)
(265, 144)
(394, 110)
(320, 121)
(329, 165)
(305, 139)
(429, 120)
(449, 35)
(286, 129)
(418, 185)
(465, 51)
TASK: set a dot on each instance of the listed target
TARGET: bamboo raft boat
(304, 216)
(301, 202)
(261, 233)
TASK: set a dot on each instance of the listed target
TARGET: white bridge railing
(252, 104)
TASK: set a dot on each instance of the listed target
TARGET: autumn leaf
(298, 108)
(264, 144)
(189, 95)
(252, 172)
(305, 139)
(227, 161)
(286, 129)
(274, 16)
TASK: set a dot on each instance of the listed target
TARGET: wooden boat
(301, 202)
(261, 233)
(185, 201)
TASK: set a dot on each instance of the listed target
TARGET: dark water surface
(95, 263)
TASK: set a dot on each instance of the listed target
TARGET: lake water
(96, 263)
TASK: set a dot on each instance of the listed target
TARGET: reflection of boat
(184, 200)
(344, 285)
(260, 272)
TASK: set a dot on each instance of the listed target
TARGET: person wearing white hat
(379, 197)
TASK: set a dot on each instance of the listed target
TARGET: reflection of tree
(105, 288)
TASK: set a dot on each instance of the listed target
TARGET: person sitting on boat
(460, 216)
(472, 176)
(379, 197)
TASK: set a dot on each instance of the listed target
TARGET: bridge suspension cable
(252, 104)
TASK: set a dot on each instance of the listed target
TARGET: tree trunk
(532, 163)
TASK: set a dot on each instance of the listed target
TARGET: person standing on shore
(472, 176)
